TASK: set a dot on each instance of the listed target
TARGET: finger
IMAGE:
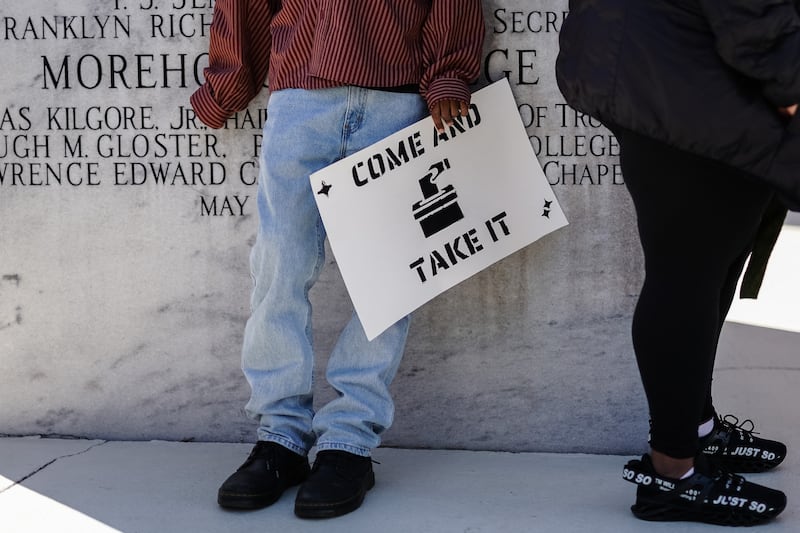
(447, 115)
(464, 108)
(436, 114)
(455, 108)
(788, 111)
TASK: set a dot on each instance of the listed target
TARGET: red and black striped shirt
(315, 44)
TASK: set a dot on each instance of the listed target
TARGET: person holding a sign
(702, 95)
(342, 75)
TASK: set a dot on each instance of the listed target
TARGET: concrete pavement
(149, 487)
(88, 486)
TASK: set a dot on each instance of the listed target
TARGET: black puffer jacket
(706, 76)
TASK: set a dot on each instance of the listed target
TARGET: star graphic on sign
(546, 212)
(325, 189)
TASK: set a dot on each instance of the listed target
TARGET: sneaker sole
(745, 466)
(658, 512)
(332, 510)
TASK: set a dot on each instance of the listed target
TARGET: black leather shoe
(337, 485)
(268, 471)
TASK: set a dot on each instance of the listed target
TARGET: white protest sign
(418, 212)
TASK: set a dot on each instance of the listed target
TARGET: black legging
(697, 220)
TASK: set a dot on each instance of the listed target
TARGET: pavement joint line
(757, 367)
(28, 476)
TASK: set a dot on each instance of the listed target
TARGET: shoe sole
(745, 466)
(247, 502)
(658, 512)
(250, 502)
(332, 510)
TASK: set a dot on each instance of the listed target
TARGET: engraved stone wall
(126, 227)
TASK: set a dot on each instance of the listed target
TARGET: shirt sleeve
(452, 45)
(238, 59)
(760, 39)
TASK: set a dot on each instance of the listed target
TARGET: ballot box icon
(439, 208)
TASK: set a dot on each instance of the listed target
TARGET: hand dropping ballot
(420, 211)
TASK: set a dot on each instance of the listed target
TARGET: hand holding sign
(444, 111)
(439, 207)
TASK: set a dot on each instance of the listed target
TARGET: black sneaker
(710, 495)
(268, 471)
(337, 485)
(732, 445)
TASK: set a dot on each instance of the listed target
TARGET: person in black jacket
(702, 95)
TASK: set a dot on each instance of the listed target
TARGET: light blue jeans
(306, 131)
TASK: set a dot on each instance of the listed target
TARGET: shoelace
(343, 464)
(730, 479)
(730, 423)
(260, 451)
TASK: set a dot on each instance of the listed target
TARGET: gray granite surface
(123, 299)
